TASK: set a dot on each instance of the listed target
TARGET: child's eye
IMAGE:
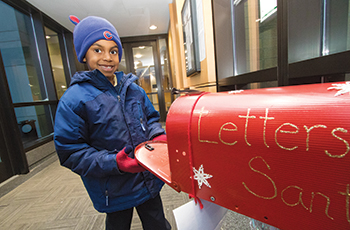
(114, 52)
(97, 51)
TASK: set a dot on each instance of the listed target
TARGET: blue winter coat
(94, 121)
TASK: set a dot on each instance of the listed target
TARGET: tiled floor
(55, 198)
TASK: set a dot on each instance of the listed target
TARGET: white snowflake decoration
(342, 88)
(201, 177)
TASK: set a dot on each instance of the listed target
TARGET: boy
(100, 119)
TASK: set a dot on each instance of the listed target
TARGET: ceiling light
(48, 37)
(142, 47)
(138, 55)
(153, 27)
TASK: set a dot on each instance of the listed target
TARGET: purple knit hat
(91, 29)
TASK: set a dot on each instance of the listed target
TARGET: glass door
(146, 65)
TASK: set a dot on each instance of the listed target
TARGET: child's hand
(126, 163)
(160, 138)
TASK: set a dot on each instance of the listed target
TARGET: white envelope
(190, 217)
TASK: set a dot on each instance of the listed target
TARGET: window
(56, 61)
(145, 71)
(34, 122)
(122, 63)
(254, 35)
(337, 22)
(19, 56)
(165, 74)
(304, 34)
(312, 41)
(28, 88)
(317, 28)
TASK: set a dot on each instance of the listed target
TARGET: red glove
(160, 138)
(126, 163)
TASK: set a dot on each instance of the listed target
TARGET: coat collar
(98, 80)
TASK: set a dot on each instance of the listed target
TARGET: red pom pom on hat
(74, 19)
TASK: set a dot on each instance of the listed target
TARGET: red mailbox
(278, 155)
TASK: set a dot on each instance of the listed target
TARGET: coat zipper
(119, 91)
(140, 115)
(106, 194)
(142, 126)
(119, 99)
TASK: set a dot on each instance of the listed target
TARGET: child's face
(103, 55)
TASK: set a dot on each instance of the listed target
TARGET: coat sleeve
(74, 152)
(155, 128)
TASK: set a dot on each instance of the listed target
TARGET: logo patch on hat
(107, 35)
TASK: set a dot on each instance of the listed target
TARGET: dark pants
(151, 214)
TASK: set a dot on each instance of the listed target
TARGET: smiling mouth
(107, 67)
